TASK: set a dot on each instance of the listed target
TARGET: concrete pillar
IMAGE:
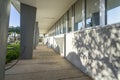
(67, 22)
(84, 13)
(37, 38)
(73, 17)
(28, 17)
(34, 40)
(4, 23)
(36, 35)
(103, 12)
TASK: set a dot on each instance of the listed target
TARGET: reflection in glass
(64, 23)
(113, 11)
(61, 25)
(70, 15)
(78, 15)
(92, 13)
(57, 28)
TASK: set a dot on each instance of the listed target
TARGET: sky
(14, 17)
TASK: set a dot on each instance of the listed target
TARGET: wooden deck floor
(45, 65)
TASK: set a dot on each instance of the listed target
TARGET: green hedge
(13, 52)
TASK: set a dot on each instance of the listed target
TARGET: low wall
(56, 42)
(95, 51)
(59, 41)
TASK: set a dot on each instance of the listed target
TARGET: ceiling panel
(49, 11)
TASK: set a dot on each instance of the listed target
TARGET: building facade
(85, 32)
(88, 36)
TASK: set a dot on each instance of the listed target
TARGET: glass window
(52, 31)
(70, 18)
(59, 27)
(64, 23)
(55, 29)
(61, 21)
(92, 13)
(113, 11)
(78, 15)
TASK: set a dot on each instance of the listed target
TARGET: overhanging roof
(48, 11)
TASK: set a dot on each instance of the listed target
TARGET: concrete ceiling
(48, 11)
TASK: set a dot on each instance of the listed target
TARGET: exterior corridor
(45, 65)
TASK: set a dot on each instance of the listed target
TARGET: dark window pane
(78, 15)
(71, 18)
(92, 13)
(64, 23)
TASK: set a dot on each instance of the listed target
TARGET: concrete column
(64, 45)
(36, 35)
(84, 13)
(34, 40)
(73, 17)
(67, 22)
(4, 23)
(102, 12)
(37, 38)
(28, 17)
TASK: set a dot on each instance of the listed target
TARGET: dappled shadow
(60, 44)
(57, 49)
(99, 51)
(73, 57)
(52, 43)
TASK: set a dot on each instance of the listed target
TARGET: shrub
(13, 52)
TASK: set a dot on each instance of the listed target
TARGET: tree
(14, 30)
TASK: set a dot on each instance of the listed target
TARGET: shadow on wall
(98, 52)
(74, 58)
(57, 49)
(60, 44)
(50, 44)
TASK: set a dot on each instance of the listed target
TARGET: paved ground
(45, 65)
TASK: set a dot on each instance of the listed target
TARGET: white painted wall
(95, 51)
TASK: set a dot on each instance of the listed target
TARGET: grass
(13, 52)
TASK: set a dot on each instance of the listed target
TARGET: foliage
(13, 52)
(14, 29)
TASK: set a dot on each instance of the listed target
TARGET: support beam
(84, 13)
(73, 17)
(36, 35)
(37, 38)
(103, 12)
(67, 21)
(28, 17)
(34, 40)
(4, 23)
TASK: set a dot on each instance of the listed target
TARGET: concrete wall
(95, 51)
(56, 42)
(4, 23)
(59, 44)
(36, 35)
